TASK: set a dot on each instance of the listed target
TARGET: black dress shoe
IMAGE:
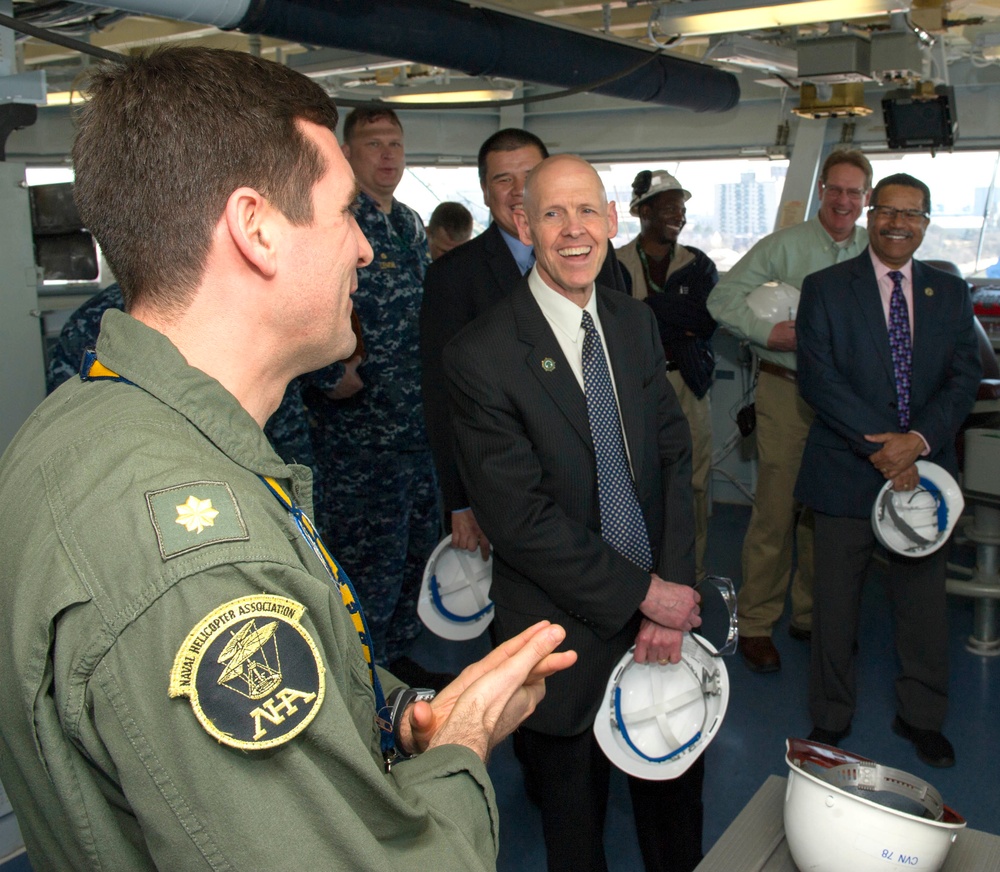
(827, 737)
(932, 747)
(759, 653)
(799, 634)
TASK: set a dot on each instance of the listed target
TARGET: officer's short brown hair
(163, 141)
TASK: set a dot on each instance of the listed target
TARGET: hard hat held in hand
(916, 523)
(657, 719)
(774, 302)
(454, 601)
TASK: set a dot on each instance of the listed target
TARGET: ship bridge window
(734, 201)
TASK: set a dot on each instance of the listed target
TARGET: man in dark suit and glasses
(888, 360)
(577, 460)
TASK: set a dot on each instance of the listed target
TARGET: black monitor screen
(920, 123)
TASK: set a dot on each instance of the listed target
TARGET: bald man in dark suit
(529, 459)
(460, 286)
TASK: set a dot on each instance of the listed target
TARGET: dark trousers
(916, 589)
(568, 776)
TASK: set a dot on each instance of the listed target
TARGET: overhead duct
(480, 42)
(484, 42)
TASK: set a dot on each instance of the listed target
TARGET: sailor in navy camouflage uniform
(379, 508)
(78, 334)
(287, 429)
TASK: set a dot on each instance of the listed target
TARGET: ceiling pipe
(485, 42)
(476, 41)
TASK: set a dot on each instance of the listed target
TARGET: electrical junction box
(896, 55)
(845, 57)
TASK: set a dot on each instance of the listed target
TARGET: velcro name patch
(253, 673)
(190, 516)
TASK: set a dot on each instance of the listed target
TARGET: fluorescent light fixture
(479, 95)
(742, 51)
(732, 16)
(452, 89)
(65, 98)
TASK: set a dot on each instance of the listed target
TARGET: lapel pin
(548, 364)
(929, 292)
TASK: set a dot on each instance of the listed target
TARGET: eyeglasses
(888, 213)
(836, 191)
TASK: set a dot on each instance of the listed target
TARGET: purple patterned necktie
(902, 350)
(622, 524)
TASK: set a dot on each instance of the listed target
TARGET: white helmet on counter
(845, 812)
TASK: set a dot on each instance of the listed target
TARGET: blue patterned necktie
(901, 347)
(622, 524)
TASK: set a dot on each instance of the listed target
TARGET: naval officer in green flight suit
(188, 675)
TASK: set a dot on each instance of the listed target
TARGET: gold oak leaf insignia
(196, 514)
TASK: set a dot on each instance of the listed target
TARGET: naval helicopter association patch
(253, 674)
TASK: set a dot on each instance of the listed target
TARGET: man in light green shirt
(783, 419)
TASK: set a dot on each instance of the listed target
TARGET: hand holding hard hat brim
(899, 452)
(466, 534)
(783, 337)
(454, 601)
(656, 643)
(656, 719)
(907, 480)
(906, 524)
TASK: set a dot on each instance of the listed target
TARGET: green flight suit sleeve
(321, 800)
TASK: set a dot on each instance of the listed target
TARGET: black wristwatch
(398, 700)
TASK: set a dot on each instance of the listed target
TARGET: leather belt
(672, 366)
(779, 371)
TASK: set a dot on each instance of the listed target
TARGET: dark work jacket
(680, 310)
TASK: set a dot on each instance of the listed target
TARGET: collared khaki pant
(699, 418)
(777, 521)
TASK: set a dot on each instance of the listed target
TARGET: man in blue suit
(887, 358)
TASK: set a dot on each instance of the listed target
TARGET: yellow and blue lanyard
(91, 369)
(350, 598)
